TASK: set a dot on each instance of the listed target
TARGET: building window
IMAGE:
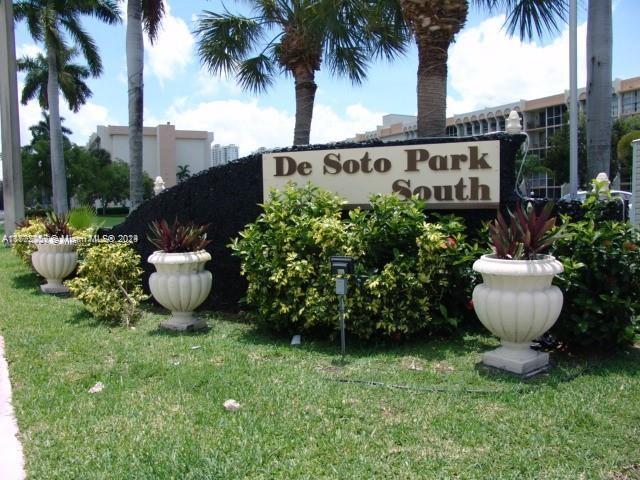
(614, 106)
(630, 102)
(469, 129)
(452, 131)
(554, 115)
(501, 125)
(485, 126)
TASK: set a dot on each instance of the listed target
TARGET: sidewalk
(11, 459)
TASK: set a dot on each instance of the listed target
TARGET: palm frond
(256, 74)
(349, 60)
(107, 11)
(29, 11)
(84, 41)
(32, 88)
(225, 40)
(529, 18)
(153, 12)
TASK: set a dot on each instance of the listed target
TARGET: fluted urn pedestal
(180, 284)
(517, 303)
(54, 259)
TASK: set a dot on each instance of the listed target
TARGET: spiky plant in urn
(55, 257)
(180, 283)
(516, 300)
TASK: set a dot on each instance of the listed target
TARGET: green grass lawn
(110, 220)
(160, 415)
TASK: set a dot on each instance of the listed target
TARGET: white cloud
(172, 50)
(82, 124)
(244, 123)
(250, 125)
(85, 122)
(30, 114)
(208, 85)
(330, 126)
(28, 50)
(488, 68)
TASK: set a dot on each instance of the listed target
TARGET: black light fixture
(342, 265)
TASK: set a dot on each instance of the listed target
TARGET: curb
(11, 460)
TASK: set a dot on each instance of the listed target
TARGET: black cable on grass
(431, 388)
(459, 389)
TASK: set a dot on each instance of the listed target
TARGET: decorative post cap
(513, 123)
(158, 185)
(602, 182)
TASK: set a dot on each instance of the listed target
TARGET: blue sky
(486, 68)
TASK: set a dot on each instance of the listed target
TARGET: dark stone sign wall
(228, 197)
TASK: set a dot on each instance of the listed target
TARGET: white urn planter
(517, 303)
(54, 259)
(180, 284)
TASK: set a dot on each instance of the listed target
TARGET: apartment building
(222, 154)
(164, 149)
(541, 117)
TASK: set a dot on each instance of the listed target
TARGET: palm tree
(434, 25)
(183, 173)
(599, 53)
(41, 130)
(71, 76)
(48, 21)
(344, 34)
(147, 15)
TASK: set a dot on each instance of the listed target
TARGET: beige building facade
(164, 149)
(541, 117)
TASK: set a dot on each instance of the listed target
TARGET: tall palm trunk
(434, 24)
(599, 53)
(305, 97)
(432, 86)
(58, 173)
(135, 65)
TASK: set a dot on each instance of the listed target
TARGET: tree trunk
(599, 53)
(58, 171)
(135, 65)
(432, 86)
(305, 97)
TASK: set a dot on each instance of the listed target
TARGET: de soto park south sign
(446, 175)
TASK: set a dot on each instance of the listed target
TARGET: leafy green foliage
(404, 267)
(178, 237)
(91, 173)
(22, 245)
(108, 282)
(557, 157)
(620, 128)
(83, 217)
(601, 283)
(624, 154)
(526, 236)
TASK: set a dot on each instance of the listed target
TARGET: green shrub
(22, 244)
(108, 282)
(404, 266)
(285, 258)
(601, 283)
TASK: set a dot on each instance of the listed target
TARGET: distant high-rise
(222, 154)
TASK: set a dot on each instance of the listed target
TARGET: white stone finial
(513, 123)
(158, 185)
(601, 184)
